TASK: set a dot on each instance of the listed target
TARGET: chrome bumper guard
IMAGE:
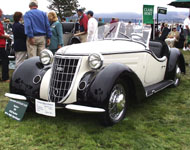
(16, 96)
(84, 108)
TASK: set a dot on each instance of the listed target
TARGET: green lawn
(161, 122)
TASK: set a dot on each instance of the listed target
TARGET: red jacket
(83, 23)
(2, 41)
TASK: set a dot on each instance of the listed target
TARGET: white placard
(45, 108)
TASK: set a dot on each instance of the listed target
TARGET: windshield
(125, 31)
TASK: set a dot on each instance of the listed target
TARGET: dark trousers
(5, 64)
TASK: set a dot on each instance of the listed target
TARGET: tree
(64, 8)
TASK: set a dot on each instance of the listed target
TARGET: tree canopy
(64, 8)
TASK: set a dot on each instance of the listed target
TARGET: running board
(150, 90)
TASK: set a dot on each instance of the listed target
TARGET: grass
(160, 122)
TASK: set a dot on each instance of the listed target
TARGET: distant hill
(135, 17)
(169, 17)
(8, 16)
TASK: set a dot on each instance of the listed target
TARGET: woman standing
(57, 32)
(19, 39)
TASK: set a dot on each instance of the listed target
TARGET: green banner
(16, 109)
(162, 10)
(148, 14)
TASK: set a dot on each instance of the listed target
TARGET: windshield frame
(106, 32)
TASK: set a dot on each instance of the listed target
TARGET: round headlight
(95, 61)
(46, 57)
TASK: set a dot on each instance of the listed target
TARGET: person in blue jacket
(37, 29)
(57, 32)
(19, 39)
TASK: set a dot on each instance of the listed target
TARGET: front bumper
(72, 107)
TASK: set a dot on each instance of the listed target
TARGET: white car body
(95, 76)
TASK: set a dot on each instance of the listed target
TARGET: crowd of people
(176, 35)
(36, 30)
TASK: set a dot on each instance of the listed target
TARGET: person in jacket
(3, 55)
(19, 39)
(164, 32)
(57, 32)
(37, 29)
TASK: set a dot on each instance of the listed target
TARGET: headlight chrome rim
(46, 57)
(95, 61)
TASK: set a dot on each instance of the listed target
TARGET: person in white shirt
(129, 29)
(187, 33)
(92, 27)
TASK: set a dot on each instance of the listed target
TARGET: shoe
(184, 49)
(6, 81)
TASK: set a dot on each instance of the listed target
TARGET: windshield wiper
(125, 35)
(109, 32)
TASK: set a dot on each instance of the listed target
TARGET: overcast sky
(98, 6)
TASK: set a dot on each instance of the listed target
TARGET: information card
(45, 108)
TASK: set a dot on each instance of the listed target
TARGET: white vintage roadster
(103, 76)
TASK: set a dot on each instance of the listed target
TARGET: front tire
(116, 106)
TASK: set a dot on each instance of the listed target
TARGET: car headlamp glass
(95, 61)
(46, 57)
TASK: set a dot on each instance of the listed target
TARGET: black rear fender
(176, 57)
(74, 40)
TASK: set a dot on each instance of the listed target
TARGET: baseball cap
(91, 13)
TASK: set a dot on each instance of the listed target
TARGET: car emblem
(60, 69)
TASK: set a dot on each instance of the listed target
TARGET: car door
(155, 69)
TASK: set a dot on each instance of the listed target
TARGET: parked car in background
(103, 76)
(69, 29)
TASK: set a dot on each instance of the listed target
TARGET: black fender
(100, 84)
(22, 81)
(175, 57)
(74, 40)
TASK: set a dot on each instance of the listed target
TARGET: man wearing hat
(92, 27)
(3, 54)
(83, 25)
(7, 25)
(37, 29)
(172, 37)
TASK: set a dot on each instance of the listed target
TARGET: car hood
(103, 47)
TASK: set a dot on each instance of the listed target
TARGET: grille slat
(63, 74)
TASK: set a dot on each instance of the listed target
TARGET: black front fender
(22, 81)
(98, 91)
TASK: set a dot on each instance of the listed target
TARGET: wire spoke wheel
(117, 102)
(177, 76)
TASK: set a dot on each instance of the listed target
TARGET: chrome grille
(62, 78)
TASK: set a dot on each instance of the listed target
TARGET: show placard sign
(16, 109)
(148, 14)
(162, 10)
